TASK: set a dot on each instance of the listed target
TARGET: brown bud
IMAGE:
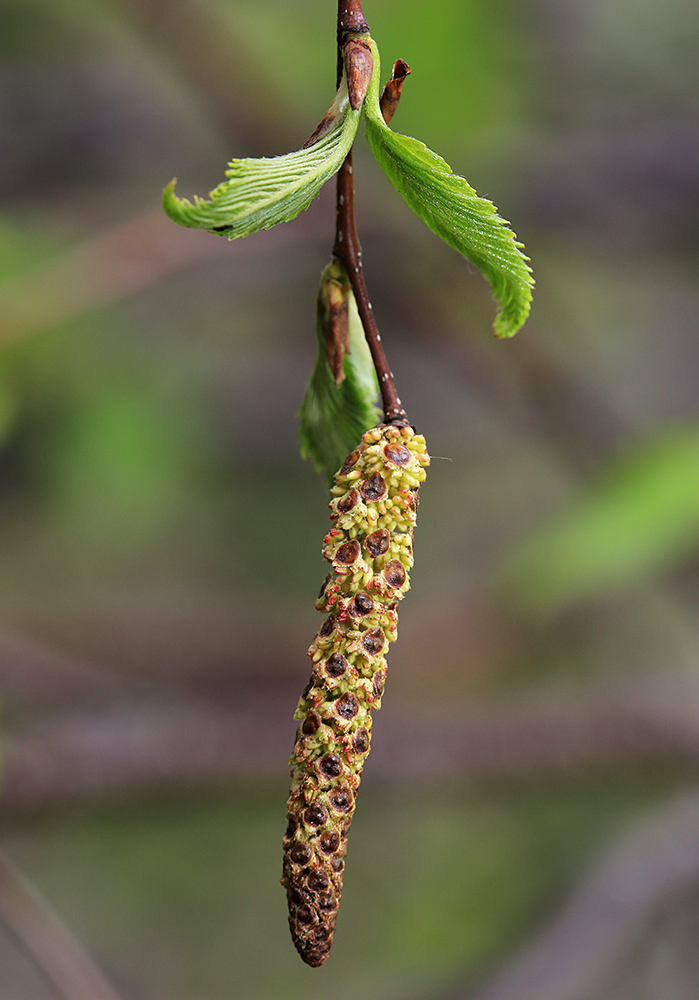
(306, 915)
(301, 854)
(330, 765)
(316, 956)
(296, 898)
(359, 64)
(316, 814)
(362, 605)
(327, 901)
(317, 881)
(341, 799)
(311, 724)
(329, 842)
(379, 682)
(360, 740)
(327, 627)
(346, 706)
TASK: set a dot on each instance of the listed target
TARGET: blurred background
(528, 824)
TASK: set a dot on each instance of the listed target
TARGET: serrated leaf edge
(255, 196)
(502, 261)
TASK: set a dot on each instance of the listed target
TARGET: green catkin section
(374, 508)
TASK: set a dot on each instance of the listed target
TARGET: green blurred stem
(347, 248)
(44, 938)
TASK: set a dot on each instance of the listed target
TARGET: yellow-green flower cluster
(374, 508)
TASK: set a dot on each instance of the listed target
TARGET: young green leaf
(333, 416)
(260, 193)
(451, 208)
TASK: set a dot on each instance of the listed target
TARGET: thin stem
(350, 17)
(347, 248)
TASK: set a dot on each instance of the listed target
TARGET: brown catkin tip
(373, 509)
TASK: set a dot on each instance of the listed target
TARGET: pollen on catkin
(373, 509)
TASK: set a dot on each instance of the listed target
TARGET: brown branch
(347, 248)
(45, 939)
(350, 18)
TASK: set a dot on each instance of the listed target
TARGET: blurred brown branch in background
(31, 670)
(84, 753)
(112, 266)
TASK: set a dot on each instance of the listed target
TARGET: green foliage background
(157, 522)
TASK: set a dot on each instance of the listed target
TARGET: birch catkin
(374, 507)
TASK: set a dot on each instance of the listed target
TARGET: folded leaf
(260, 193)
(334, 417)
(451, 208)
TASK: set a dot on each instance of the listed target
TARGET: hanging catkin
(374, 507)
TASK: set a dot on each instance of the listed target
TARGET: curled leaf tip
(168, 193)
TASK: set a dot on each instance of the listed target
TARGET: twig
(350, 18)
(347, 248)
(43, 936)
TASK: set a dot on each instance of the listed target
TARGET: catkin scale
(373, 510)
